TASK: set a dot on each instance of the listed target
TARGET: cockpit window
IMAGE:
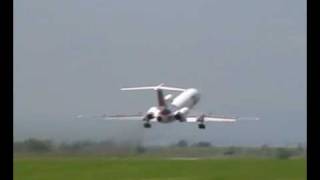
(195, 99)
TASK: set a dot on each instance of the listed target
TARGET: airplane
(170, 108)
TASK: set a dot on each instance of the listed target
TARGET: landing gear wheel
(147, 125)
(201, 126)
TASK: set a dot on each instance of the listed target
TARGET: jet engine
(148, 116)
(180, 115)
(168, 97)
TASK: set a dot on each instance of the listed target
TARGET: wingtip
(79, 116)
(249, 118)
(124, 89)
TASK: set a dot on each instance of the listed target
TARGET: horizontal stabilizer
(160, 86)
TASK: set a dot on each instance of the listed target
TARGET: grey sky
(248, 58)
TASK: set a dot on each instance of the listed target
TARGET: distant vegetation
(181, 149)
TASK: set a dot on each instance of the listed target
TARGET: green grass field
(102, 168)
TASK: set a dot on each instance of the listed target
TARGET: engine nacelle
(180, 115)
(151, 113)
(168, 97)
(149, 116)
(184, 110)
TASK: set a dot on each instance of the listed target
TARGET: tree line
(180, 148)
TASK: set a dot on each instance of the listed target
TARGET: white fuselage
(178, 108)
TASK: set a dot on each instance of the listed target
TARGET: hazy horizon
(247, 58)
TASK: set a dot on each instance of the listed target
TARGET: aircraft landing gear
(202, 126)
(147, 125)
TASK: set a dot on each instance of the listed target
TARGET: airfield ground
(153, 168)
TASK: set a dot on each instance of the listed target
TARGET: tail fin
(161, 100)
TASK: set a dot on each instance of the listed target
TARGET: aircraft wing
(210, 119)
(113, 117)
(124, 117)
